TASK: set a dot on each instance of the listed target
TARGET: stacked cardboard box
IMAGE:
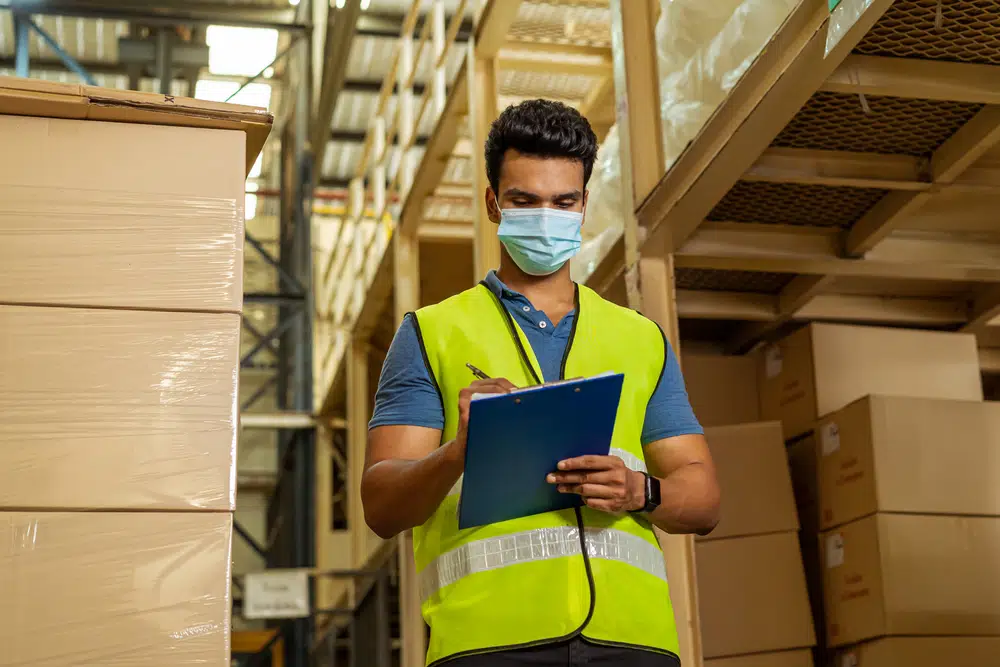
(822, 367)
(911, 519)
(866, 468)
(751, 562)
(121, 228)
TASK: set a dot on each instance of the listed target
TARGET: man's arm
(689, 492)
(407, 475)
(676, 453)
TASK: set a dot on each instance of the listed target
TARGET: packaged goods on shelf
(752, 595)
(753, 475)
(722, 389)
(796, 658)
(703, 49)
(922, 652)
(911, 575)
(821, 368)
(102, 588)
(914, 455)
(753, 554)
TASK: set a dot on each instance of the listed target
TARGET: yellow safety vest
(556, 575)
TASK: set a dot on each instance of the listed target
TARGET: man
(573, 587)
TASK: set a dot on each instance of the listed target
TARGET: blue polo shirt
(407, 396)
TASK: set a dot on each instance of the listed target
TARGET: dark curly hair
(541, 128)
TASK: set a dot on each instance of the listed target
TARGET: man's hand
(604, 482)
(491, 386)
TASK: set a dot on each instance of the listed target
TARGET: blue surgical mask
(540, 240)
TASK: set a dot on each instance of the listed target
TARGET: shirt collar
(497, 287)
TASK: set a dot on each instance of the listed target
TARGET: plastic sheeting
(704, 49)
(143, 589)
(116, 409)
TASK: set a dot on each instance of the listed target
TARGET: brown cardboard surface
(740, 577)
(917, 455)
(121, 215)
(722, 389)
(753, 475)
(802, 462)
(899, 574)
(798, 658)
(30, 97)
(922, 652)
(140, 589)
(117, 409)
(822, 367)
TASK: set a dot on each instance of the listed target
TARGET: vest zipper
(579, 514)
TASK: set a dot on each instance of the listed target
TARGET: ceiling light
(341, 3)
(293, 3)
(365, 4)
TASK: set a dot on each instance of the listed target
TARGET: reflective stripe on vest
(632, 462)
(536, 545)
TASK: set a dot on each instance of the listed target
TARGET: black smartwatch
(651, 493)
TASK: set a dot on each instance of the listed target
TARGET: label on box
(849, 660)
(276, 594)
(830, 437)
(772, 361)
(834, 551)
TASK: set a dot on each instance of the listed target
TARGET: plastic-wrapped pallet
(121, 242)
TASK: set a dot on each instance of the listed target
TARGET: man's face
(534, 182)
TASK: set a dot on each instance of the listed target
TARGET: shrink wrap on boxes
(143, 589)
(116, 409)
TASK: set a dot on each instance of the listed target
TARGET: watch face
(652, 492)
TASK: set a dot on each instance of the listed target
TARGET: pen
(478, 373)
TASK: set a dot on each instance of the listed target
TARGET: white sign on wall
(276, 594)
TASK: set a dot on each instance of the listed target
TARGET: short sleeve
(669, 413)
(406, 395)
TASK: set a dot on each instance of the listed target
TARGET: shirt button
(526, 309)
(541, 325)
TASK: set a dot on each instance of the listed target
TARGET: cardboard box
(722, 389)
(753, 474)
(904, 574)
(110, 409)
(799, 658)
(821, 368)
(103, 588)
(916, 455)
(88, 219)
(802, 462)
(740, 578)
(922, 652)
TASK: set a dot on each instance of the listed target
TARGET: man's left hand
(604, 482)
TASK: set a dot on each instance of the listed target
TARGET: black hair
(541, 128)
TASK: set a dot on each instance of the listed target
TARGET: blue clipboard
(516, 439)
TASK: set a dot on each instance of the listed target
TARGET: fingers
(583, 477)
(591, 462)
(592, 490)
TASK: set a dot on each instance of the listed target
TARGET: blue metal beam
(22, 29)
(71, 62)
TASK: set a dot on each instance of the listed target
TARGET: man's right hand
(491, 386)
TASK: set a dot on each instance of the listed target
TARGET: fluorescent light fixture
(293, 3)
(365, 4)
(240, 51)
(341, 3)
